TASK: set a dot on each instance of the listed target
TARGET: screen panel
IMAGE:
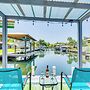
(27, 10)
(7, 9)
(84, 1)
(76, 13)
(58, 12)
(48, 11)
(17, 9)
(62, 0)
(88, 11)
(38, 10)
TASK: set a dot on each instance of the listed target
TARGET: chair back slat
(10, 75)
(81, 75)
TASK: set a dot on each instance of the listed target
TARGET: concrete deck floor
(38, 87)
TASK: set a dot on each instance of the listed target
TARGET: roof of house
(20, 36)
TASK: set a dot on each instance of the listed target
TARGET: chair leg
(71, 87)
(22, 87)
(61, 81)
(30, 82)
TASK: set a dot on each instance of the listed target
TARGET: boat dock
(22, 55)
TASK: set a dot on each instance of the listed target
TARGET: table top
(50, 81)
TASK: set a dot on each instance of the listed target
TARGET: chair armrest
(62, 73)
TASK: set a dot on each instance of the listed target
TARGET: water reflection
(51, 58)
(72, 58)
(41, 54)
(25, 66)
(57, 52)
(58, 59)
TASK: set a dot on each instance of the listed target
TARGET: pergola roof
(19, 36)
(46, 10)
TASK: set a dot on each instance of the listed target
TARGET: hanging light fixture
(65, 22)
(48, 23)
(87, 19)
(33, 22)
(62, 24)
(18, 21)
(71, 23)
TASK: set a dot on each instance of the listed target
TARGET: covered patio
(70, 11)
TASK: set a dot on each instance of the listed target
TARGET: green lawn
(11, 50)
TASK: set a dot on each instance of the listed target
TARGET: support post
(4, 44)
(25, 46)
(30, 46)
(80, 43)
(33, 46)
(33, 43)
(15, 49)
(33, 62)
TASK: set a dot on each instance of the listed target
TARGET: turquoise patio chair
(80, 79)
(11, 79)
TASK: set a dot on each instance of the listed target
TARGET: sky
(52, 33)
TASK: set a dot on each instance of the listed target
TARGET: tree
(48, 44)
(71, 41)
(42, 42)
(84, 41)
(37, 44)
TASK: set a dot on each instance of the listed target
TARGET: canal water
(63, 62)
